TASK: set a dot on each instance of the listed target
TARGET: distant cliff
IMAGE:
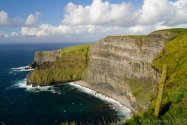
(59, 66)
(117, 66)
(41, 57)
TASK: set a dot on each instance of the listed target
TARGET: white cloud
(153, 11)
(178, 13)
(46, 30)
(6, 20)
(78, 33)
(32, 19)
(137, 29)
(99, 13)
(104, 13)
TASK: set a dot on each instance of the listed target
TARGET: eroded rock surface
(117, 63)
(46, 56)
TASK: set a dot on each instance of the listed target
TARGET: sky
(27, 21)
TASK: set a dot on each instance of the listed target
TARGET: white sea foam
(21, 69)
(30, 88)
(116, 105)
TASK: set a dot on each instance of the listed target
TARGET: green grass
(69, 67)
(175, 30)
(141, 89)
(174, 102)
(74, 48)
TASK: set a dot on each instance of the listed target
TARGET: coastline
(116, 105)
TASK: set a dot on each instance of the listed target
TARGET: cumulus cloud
(32, 19)
(124, 14)
(102, 18)
(153, 11)
(99, 13)
(6, 20)
(178, 13)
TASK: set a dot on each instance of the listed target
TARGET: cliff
(120, 67)
(59, 66)
(126, 68)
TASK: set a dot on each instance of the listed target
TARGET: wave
(116, 105)
(21, 69)
(23, 84)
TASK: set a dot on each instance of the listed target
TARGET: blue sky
(63, 20)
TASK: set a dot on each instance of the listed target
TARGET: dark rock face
(33, 65)
(115, 61)
(41, 57)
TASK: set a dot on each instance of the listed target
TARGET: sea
(49, 105)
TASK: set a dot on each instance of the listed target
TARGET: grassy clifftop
(174, 104)
(69, 67)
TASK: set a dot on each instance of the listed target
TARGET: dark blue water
(45, 106)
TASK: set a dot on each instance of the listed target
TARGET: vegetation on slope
(141, 89)
(69, 67)
(174, 103)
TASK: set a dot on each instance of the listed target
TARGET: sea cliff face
(117, 66)
(120, 67)
(125, 57)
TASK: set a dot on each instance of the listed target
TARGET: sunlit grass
(174, 103)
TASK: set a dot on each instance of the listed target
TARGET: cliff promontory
(58, 66)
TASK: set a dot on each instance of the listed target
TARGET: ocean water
(50, 105)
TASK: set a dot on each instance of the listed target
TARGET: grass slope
(69, 67)
(174, 103)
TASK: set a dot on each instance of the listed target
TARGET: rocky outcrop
(118, 63)
(59, 66)
(46, 56)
